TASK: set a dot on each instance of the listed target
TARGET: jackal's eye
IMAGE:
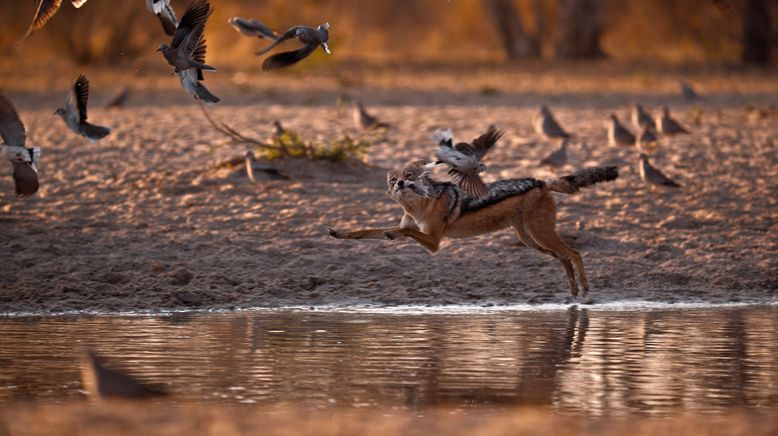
(393, 180)
(409, 176)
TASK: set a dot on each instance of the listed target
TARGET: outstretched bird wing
(78, 97)
(252, 27)
(198, 55)
(287, 58)
(44, 10)
(485, 142)
(289, 34)
(11, 127)
(191, 25)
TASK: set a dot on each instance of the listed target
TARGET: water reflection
(598, 362)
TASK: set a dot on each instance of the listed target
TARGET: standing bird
(558, 157)
(653, 176)
(641, 118)
(253, 167)
(186, 38)
(191, 78)
(363, 120)
(165, 13)
(618, 134)
(24, 160)
(74, 112)
(546, 125)
(44, 10)
(464, 160)
(647, 140)
(252, 27)
(667, 125)
(102, 382)
(310, 37)
(687, 91)
(120, 99)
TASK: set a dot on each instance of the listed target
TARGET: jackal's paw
(390, 234)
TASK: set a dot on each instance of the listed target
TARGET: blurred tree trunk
(578, 30)
(516, 42)
(756, 31)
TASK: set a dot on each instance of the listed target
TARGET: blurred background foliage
(400, 31)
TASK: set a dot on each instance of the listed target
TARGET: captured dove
(464, 160)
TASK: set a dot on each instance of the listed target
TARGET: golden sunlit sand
(152, 218)
(164, 419)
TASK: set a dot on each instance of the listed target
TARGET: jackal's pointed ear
(421, 163)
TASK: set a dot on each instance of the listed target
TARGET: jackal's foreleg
(430, 241)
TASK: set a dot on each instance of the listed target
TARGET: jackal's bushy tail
(582, 179)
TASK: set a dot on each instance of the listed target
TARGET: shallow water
(600, 362)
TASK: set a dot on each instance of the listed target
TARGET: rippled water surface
(600, 362)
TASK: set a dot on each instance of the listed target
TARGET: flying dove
(24, 160)
(74, 112)
(44, 10)
(311, 39)
(191, 78)
(186, 38)
(252, 27)
(165, 13)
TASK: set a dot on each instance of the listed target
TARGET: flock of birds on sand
(186, 53)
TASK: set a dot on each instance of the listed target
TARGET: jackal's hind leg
(542, 231)
(525, 238)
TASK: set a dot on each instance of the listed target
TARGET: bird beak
(326, 47)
